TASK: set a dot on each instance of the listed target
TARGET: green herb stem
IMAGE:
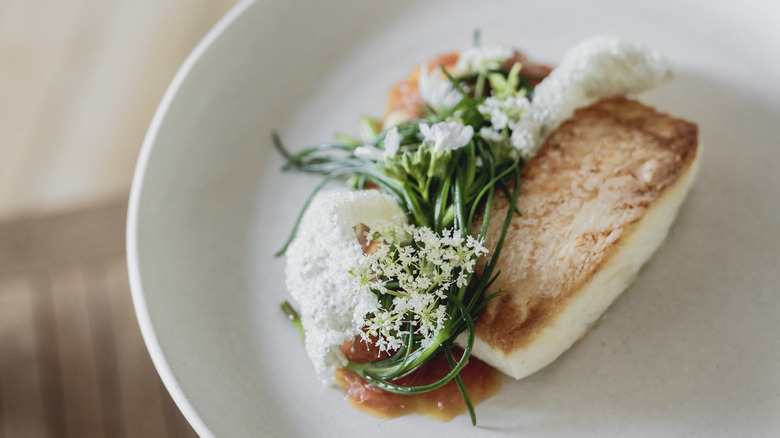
(292, 315)
(441, 191)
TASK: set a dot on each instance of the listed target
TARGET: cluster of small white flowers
(482, 59)
(493, 136)
(446, 136)
(436, 89)
(424, 271)
(504, 116)
(504, 113)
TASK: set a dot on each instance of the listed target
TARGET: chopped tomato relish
(480, 379)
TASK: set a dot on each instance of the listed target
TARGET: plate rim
(139, 299)
(131, 232)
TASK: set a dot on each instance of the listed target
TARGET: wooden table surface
(79, 82)
(72, 360)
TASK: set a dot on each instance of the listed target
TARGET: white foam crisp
(318, 261)
(595, 68)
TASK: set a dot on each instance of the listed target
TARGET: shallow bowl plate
(692, 347)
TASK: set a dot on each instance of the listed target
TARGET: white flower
(505, 113)
(492, 135)
(481, 59)
(436, 90)
(392, 142)
(370, 152)
(477, 246)
(446, 136)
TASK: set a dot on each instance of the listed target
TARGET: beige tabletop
(79, 82)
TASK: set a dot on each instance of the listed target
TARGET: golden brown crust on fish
(584, 192)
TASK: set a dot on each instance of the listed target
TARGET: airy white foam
(595, 68)
(318, 261)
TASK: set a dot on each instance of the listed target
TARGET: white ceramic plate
(691, 349)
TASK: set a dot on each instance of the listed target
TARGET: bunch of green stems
(451, 190)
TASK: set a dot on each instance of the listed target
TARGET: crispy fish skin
(595, 203)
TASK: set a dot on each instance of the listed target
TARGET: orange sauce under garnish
(481, 380)
(405, 95)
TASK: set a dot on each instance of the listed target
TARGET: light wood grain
(77, 356)
(72, 359)
(45, 242)
(142, 400)
(21, 402)
(79, 82)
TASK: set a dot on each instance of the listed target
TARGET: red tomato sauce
(481, 380)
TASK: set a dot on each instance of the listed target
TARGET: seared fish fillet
(596, 202)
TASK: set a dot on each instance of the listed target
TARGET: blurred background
(79, 83)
